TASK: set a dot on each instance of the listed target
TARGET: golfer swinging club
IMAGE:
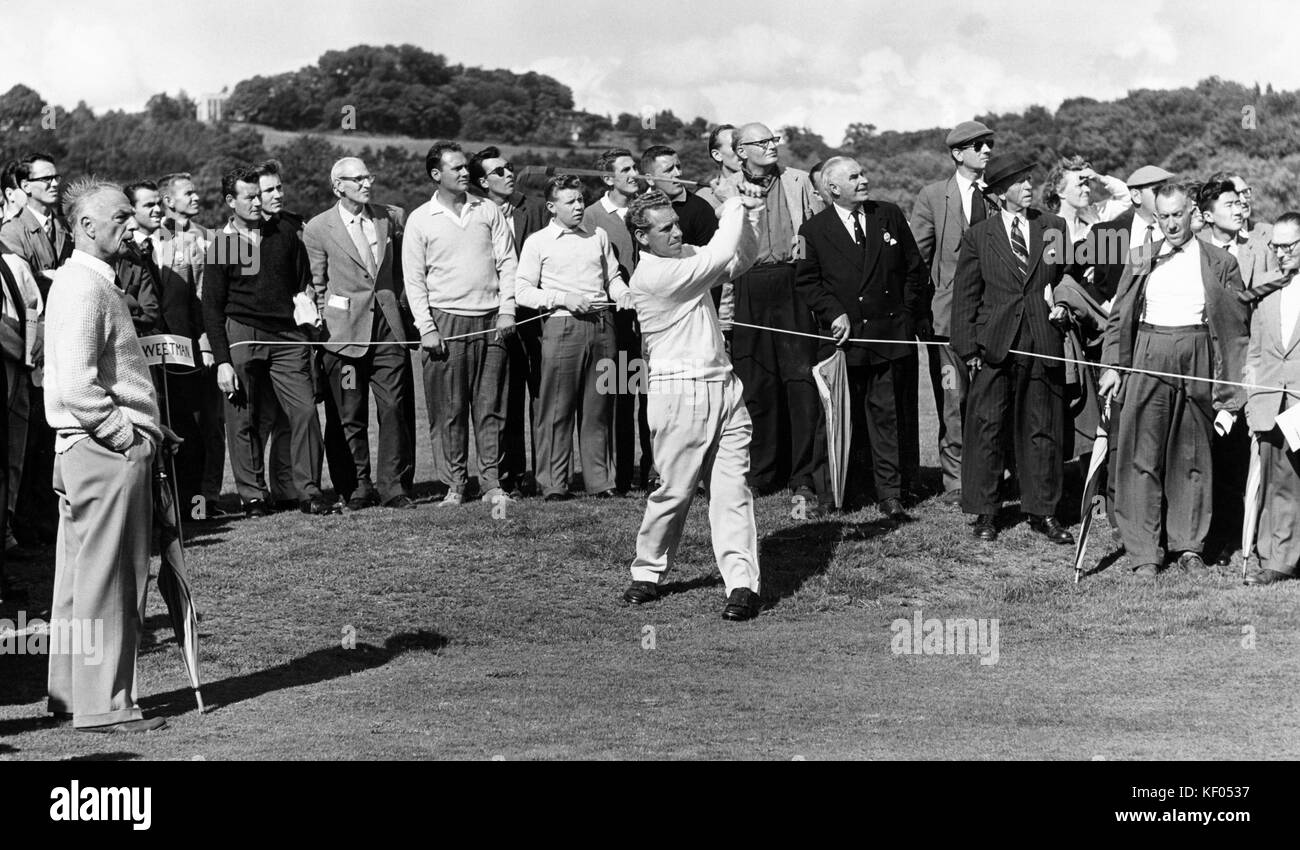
(699, 427)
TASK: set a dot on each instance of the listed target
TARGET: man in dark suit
(178, 312)
(1178, 309)
(1107, 246)
(41, 237)
(137, 273)
(942, 213)
(862, 275)
(493, 177)
(356, 276)
(1004, 282)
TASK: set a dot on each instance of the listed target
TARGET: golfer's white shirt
(680, 331)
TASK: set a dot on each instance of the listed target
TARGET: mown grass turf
(477, 637)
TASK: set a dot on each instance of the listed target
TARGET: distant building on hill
(210, 106)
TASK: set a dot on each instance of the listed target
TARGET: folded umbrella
(1251, 523)
(832, 378)
(173, 578)
(1093, 496)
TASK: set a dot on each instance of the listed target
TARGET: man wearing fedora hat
(1000, 303)
(941, 215)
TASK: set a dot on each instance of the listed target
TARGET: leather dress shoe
(1050, 527)
(893, 509)
(611, 493)
(742, 604)
(984, 528)
(285, 504)
(256, 508)
(1146, 570)
(360, 503)
(952, 497)
(1193, 565)
(1266, 576)
(150, 724)
(641, 592)
(318, 506)
(562, 496)
(401, 503)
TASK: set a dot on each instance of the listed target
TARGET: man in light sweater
(458, 268)
(100, 401)
(698, 421)
(570, 269)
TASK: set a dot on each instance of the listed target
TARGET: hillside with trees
(402, 97)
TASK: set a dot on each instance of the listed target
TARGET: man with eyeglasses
(775, 369)
(1178, 310)
(943, 211)
(608, 213)
(493, 177)
(355, 253)
(1273, 360)
(41, 237)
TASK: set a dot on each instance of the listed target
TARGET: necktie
(1151, 234)
(858, 233)
(363, 245)
(1256, 293)
(1019, 248)
(977, 211)
(49, 234)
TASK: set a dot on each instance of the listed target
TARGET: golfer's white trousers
(700, 431)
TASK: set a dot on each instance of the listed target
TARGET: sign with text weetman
(167, 349)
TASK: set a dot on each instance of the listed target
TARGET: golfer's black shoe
(742, 604)
(641, 592)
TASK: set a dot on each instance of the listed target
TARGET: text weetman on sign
(167, 349)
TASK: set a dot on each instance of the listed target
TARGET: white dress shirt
(846, 218)
(367, 229)
(1137, 234)
(963, 188)
(1175, 293)
(1289, 308)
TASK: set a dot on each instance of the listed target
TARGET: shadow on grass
(6, 749)
(1105, 563)
(118, 756)
(791, 556)
(319, 666)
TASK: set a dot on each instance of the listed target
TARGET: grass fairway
(478, 637)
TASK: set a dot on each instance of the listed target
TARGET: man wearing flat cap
(941, 215)
(1001, 297)
(1108, 244)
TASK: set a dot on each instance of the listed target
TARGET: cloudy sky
(898, 65)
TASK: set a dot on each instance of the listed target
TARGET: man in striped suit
(1001, 295)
